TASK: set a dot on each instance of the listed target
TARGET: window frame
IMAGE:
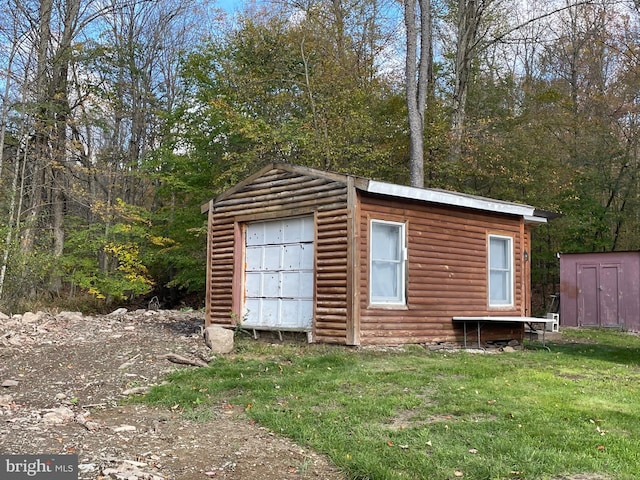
(510, 301)
(401, 299)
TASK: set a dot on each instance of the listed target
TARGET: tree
(471, 14)
(276, 90)
(419, 78)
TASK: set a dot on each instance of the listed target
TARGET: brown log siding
(220, 294)
(331, 276)
(447, 273)
(280, 194)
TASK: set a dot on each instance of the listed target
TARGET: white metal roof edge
(534, 219)
(455, 199)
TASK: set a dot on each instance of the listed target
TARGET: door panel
(588, 295)
(279, 274)
(609, 296)
(599, 295)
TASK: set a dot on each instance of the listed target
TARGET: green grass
(415, 414)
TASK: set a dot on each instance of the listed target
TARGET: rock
(508, 349)
(70, 316)
(5, 400)
(90, 425)
(87, 467)
(58, 416)
(4, 317)
(136, 391)
(130, 470)
(9, 383)
(124, 428)
(118, 312)
(30, 317)
(16, 341)
(218, 339)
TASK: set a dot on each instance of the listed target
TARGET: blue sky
(230, 5)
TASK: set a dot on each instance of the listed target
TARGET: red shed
(600, 290)
(356, 261)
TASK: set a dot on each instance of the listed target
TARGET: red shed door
(279, 274)
(609, 295)
(599, 295)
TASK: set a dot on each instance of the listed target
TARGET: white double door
(279, 274)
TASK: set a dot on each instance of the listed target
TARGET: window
(500, 271)
(387, 269)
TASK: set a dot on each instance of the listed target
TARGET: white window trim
(402, 296)
(511, 272)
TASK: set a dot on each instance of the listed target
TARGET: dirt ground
(64, 378)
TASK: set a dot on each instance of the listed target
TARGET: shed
(356, 261)
(600, 290)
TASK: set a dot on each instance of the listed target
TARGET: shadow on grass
(603, 345)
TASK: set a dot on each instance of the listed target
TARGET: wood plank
(447, 294)
(322, 194)
(257, 208)
(334, 245)
(331, 262)
(333, 215)
(335, 290)
(278, 186)
(270, 195)
(333, 233)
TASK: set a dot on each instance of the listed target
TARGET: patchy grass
(414, 414)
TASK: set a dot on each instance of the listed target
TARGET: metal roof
(444, 197)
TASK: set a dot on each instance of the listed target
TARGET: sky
(230, 5)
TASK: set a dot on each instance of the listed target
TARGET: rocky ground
(64, 378)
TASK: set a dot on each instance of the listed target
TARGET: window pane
(500, 271)
(384, 280)
(500, 288)
(387, 265)
(498, 253)
(385, 242)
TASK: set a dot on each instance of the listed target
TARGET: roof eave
(442, 197)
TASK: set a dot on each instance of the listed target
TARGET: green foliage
(552, 125)
(264, 93)
(107, 259)
(27, 278)
(178, 260)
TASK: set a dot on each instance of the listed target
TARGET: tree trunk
(417, 68)
(41, 151)
(470, 14)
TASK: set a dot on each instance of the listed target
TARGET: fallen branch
(175, 358)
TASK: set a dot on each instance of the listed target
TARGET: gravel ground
(64, 378)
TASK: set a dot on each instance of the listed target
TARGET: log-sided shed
(600, 289)
(356, 261)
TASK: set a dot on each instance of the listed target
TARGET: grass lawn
(416, 414)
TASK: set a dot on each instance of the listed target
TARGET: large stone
(58, 416)
(70, 316)
(218, 339)
(30, 317)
